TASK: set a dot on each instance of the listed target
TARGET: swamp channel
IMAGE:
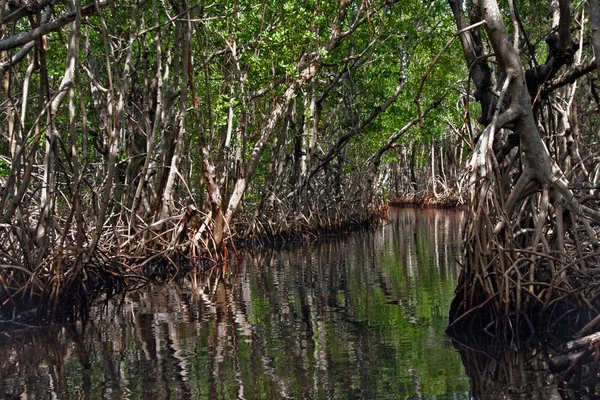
(358, 316)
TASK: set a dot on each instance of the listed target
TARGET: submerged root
(578, 366)
(60, 281)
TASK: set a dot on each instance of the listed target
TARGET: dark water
(362, 316)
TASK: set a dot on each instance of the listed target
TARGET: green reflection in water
(362, 316)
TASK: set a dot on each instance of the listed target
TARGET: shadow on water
(544, 365)
(361, 316)
(501, 370)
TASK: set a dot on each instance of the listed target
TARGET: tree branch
(23, 38)
(376, 158)
(570, 76)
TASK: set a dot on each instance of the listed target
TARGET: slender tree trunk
(44, 230)
(180, 131)
(310, 130)
(156, 123)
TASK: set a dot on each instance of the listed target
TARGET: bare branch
(23, 38)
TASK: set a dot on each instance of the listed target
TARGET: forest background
(150, 136)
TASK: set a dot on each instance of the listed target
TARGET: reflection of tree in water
(504, 371)
(554, 362)
(124, 351)
(347, 318)
(36, 365)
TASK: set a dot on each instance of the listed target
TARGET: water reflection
(361, 316)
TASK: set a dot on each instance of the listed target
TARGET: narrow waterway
(359, 316)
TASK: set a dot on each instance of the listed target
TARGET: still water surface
(359, 316)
